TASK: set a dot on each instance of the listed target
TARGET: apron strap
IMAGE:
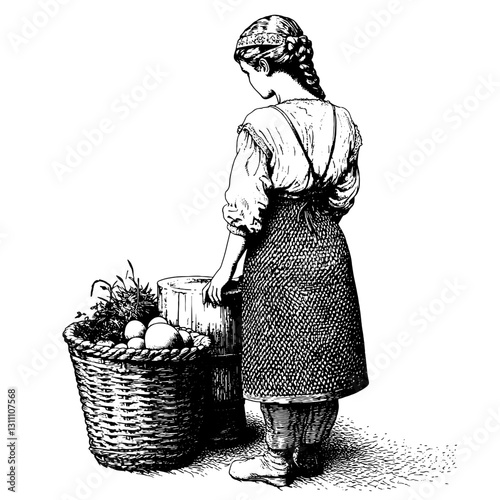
(299, 140)
(301, 144)
(312, 203)
(334, 140)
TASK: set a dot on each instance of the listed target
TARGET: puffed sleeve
(249, 183)
(347, 185)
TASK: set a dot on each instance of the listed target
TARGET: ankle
(308, 454)
(308, 449)
(308, 460)
(280, 457)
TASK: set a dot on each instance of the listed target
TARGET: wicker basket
(143, 408)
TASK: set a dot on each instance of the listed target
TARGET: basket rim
(85, 347)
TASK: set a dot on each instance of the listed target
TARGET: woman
(294, 177)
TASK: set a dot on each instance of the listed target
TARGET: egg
(121, 345)
(161, 336)
(156, 320)
(136, 343)
(186, 337)
(133, 329)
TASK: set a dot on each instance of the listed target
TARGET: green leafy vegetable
(127, 299)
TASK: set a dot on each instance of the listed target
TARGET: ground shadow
(355, 458)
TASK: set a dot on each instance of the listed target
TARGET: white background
(128, 199)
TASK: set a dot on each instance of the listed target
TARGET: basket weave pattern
(143, 408)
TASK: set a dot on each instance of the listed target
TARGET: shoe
(307, 461)
(270, 468)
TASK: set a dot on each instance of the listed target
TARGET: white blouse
(270, 157)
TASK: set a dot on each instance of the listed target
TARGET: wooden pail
(181, 303)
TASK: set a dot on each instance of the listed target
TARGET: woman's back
(271, 158)
(320, 126)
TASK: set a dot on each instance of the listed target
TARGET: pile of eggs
(157, 335)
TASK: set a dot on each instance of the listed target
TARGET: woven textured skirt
(302, 334)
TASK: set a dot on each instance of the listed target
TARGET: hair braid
(293, 58)
(303, 55)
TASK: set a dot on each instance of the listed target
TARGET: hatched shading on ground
(355, 459)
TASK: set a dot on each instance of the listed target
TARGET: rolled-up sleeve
(247, 195)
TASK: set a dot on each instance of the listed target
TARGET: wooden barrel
(181, 303)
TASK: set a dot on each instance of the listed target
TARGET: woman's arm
(246, 199)
(235, 247)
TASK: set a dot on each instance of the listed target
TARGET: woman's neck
(286, 88)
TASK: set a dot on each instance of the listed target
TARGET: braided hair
(293, 58)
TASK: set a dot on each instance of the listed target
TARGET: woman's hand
(212, 291)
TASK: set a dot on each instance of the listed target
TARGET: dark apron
(302, 333)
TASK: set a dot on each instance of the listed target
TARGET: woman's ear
(264, 66)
